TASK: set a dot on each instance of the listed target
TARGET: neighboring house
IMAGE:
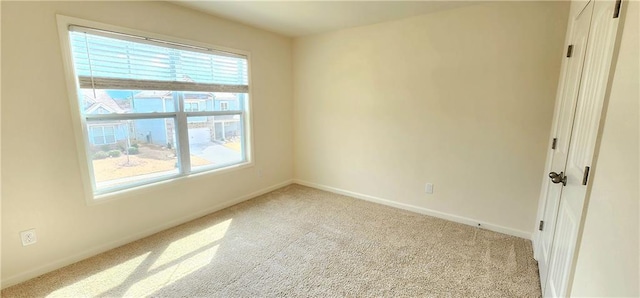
(154, 131)
(205, 129)
(228, 126)
(104, 133)
(201, 130)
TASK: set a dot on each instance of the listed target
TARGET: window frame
(81, 127)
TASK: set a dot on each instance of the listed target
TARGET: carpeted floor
(302, 242)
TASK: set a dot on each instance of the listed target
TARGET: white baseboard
(18, 278)
(421, 210)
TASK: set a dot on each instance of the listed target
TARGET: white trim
(79, 124)
(417, 209)
(181, 129)
(138, 189)
(18, 278)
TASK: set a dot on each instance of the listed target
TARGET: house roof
(164, 94)
(100, 98)
(152, 94)
(225, 96)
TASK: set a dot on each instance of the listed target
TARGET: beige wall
(608, 259)
(462, 98)
(41, 185)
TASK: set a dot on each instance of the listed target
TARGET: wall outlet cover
(428, 188)
(28, 237)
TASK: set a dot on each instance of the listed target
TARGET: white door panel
(561, 257)
(586, 124)
(568, 96)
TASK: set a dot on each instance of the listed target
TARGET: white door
(568, 94)
(591, 95)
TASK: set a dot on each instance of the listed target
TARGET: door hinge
(616, 11)
(569, 50)
(554, 144)
(541, 226)
(585, 177)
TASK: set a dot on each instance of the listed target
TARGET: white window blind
(113, 60)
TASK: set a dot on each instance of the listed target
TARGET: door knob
(558, 178)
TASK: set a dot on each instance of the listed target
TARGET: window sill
(171, 181)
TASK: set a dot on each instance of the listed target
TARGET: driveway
(215, 153)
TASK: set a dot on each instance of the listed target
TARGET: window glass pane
(101, 101)
(132, 151)
(97, 134)
(214, 101)
(216, 142)
(109, 134)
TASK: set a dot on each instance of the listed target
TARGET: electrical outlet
(428, 188)
(28, 237)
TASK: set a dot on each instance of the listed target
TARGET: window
(224, 106)
(103, 135)
(147, 107)
(192, 107)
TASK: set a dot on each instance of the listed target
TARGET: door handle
(558, 178)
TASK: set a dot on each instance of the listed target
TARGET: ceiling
(300, 18)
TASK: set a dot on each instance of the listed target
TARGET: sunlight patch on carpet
(163, 278)
(102, 281)
(192, 243)
(180, 258)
